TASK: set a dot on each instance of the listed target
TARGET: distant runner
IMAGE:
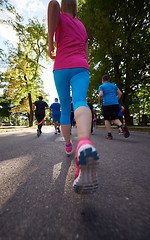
(110, 94)
(120, 117)
(55, 108)
(91, 108)
(40, 113)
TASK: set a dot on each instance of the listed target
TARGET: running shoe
(69, 148)
(125, 131)
(109, 137)
(38, 132)
(120, 133)
(86, 167)
(55, 131)
(58, 129)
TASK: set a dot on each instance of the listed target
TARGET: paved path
(37, 201)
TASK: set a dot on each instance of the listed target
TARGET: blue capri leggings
(78, 79)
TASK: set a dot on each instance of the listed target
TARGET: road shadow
(33, 207)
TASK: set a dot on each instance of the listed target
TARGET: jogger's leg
(117, 122)
(86, 155)
(82, 112)
(108, 126)
(40, 123)
(63, 91)
(55, 125)
(66, 133)
(83, 118)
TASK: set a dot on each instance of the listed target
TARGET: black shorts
(39, 116)
(110, 112)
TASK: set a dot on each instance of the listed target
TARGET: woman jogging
(71, 69)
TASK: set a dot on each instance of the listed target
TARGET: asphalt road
(37, 201)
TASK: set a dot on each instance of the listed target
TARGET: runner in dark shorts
(91, 108)
(40, 113)
(120, 117)
(72, 115)
(110, 94)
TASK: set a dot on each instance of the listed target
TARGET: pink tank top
(70, 39)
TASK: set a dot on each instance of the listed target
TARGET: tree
(141, 102)
(118, 45)
(23, 82)
(5, 106)
(24, 68)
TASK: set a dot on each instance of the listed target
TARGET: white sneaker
(87, 161)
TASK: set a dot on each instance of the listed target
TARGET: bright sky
(30, 9)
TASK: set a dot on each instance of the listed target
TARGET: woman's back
(70, 39)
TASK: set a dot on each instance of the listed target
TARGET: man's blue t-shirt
(55, 107)
(109, 93)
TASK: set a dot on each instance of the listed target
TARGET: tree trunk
(123, 100)
(31, 111)
(117, 75)
(126, 113)
(128, 119)
(144, 120)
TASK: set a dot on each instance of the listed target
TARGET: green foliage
(22, 79)
(118, 34)
(5, 107)
(141, 100)
(118, 44)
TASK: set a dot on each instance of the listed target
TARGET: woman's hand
(51, 51)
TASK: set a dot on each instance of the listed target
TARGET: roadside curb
(139, 129)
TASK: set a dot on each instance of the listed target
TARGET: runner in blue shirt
(55, 108)
(110, 94)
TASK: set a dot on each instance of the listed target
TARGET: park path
(37, 201)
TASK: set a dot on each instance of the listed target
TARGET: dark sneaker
(58, 129)
(38, 132)
(125, 131)
(109, 137)
(55, 131)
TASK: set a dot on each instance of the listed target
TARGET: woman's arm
(53, 20)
